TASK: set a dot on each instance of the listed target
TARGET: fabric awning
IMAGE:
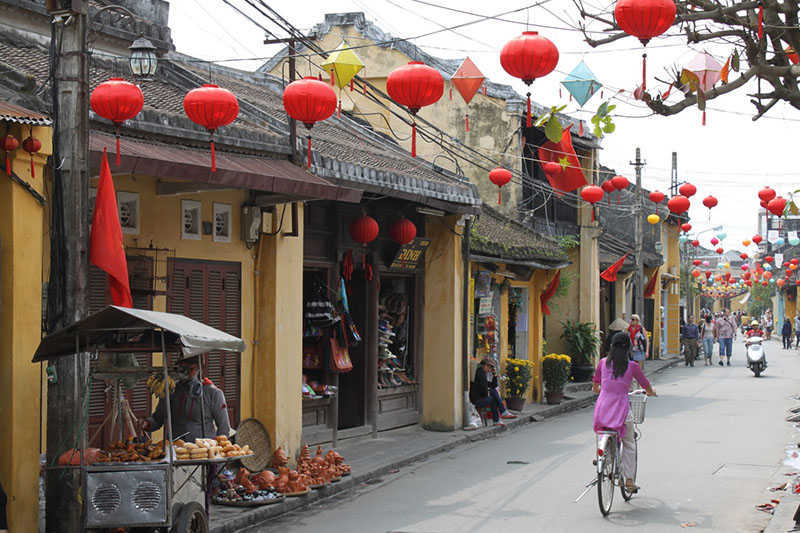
(188, 336)
(279, 176)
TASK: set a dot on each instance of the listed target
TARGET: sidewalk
(371, 458)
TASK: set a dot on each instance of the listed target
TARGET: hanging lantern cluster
(117, 100)
(415, 86)
(528, 57)
(211, 107)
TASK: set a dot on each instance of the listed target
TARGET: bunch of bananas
(155, 384)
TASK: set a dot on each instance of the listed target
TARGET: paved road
(711, 442)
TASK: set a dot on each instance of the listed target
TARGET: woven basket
(253, 433)
(638, 403)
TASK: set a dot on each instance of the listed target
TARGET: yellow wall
(442, 393)
(21, 238)
(672, 265)
(566, 307)
(276, 376)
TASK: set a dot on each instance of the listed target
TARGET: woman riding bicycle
(612, 380)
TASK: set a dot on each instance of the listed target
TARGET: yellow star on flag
(564, 162)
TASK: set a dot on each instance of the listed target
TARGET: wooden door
(210, 292)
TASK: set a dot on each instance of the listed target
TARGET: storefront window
(518, 323)
(396, 364)
(487, 317)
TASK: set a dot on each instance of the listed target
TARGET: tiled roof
(14, 113)
(497, 235)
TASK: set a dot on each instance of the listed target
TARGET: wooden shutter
(210, 292)
(140, 277)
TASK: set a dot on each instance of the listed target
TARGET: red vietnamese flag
(106, 250)
(549, 292)
(568, 176)
(610, 274)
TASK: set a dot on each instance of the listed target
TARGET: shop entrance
(518, 323)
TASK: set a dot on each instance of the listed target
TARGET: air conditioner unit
(251, 224)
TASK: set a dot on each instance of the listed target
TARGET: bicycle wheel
(625, 494)
(605, 478)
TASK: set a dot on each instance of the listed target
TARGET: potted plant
(582, 341)
(518, 375)
(555, 373)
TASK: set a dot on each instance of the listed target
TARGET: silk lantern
(363, 230)
(766, 194)
(10, 143)
(720, 250)
(309, 101)
(695, 243)
(415, 86)
(402, 231)
(117, 100)
(528, 57)
(212, 107)
(644, 19)
(678, 204)
(657, 197)
(500, 176)
(687, 189)
(32, 146)
(776, 206)
(620, 182)
(746, 242)
(608, 188)
(592, 194)
(757, 239)
(653, 219)
(686, 227)
(467, 80)
(696, 262)
(714, 241)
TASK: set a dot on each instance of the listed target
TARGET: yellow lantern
(343, 65)
(653, 219)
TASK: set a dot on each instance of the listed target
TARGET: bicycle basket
(638, 403)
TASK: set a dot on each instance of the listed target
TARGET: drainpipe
(469, 422)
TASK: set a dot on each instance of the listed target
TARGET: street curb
(262, 514)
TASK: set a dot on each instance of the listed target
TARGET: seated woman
(612, 380)
(480, 390)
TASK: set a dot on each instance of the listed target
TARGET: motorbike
(756, 358)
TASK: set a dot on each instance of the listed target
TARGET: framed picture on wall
(191, 217)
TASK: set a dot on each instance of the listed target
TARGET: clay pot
(305, 456)
(279, 458)
(554, 397)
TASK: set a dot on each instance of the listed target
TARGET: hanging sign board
(485, 306)
(409, 255)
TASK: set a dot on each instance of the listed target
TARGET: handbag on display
(312, 356)
(340, 355)
(319, 310)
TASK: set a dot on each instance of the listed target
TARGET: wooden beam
(172, 188)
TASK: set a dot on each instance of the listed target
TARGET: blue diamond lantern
(581, 83)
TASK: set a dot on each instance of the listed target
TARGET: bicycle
(608, 457)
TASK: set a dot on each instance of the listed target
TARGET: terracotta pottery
(279, 458)
(304, 457)
(515, 404)
(554, 397)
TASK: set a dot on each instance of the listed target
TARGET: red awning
(279, 176)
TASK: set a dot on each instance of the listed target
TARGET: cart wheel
(192, 519)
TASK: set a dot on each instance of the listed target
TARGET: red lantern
(309, 101)
(743, 256)
(645, 19)
(757, 239)
(415, 86)
(696, 262)
(364, 230)
(776, 206)
(117, 100)
(768, 259)
(708, 274)
(678, 204)
(500, 177)
(620, 182)
(687, 189)
(402, 231)
(212, 107)
(695, 273)
(720, 250)
(709, 201)
(686, 227)
(795, 261)
(592, 194)
(695, 243)
(528, 57)
(551, 168)
(32, 146)
(608, 188)
(714, 241)
(766, 194)
(657, 197)
(10, 143)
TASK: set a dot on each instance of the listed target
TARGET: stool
(486, 415)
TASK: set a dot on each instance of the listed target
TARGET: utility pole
(673, 185)
(69, 257)
(638, 277)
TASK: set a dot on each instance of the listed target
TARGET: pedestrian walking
(724, 333)
(707, 335)
(691, 335)
(768, 325)
(797, 331)
(640, 344)
(786, 334)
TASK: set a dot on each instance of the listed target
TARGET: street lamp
(143, 60)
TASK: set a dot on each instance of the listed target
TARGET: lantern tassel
(580, 128)
(466, 121)
(309, 151)
(118, 156)
(213, 157)
(644, 72)
(351, 84)
(333, 76)
(414, 139)
(704, 117)
(499, 196)
(33, 171)
(484, 89)
(528, 121)
(339, 109)
(8, 165)
(760, 21)
(451, 94)
(593, 213)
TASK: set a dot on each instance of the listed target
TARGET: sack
(312, 356)
(340, 356)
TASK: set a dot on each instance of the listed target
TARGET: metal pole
(638, 280)
(292, 122)
(465, 251)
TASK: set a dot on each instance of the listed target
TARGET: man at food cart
(186, 407)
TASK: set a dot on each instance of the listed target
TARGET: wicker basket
(638, 404)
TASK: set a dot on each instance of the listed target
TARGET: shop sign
(485, 306)
(409, 255)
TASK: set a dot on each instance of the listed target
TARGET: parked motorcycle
(756, 358)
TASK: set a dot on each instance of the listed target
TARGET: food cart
(148, 494)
